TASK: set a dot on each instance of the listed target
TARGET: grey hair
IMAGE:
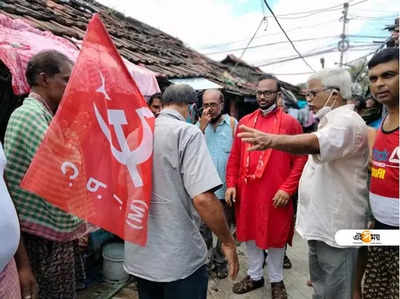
(179, 94)
(336, 78)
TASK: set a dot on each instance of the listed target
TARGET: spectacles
(313, 93)
(265, 93)
(211, 105)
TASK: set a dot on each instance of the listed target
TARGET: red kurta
(256, 217)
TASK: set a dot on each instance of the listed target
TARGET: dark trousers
(193, 287)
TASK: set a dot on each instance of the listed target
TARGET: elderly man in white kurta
(333, 193)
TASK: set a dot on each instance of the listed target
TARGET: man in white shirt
(333, 193)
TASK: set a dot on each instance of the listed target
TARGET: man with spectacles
(218, 129)
(333, 193)
(261, 185)
(321, 99)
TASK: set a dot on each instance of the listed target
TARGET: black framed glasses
(211, 105)
(266, 93)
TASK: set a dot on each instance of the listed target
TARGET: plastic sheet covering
(19, 41)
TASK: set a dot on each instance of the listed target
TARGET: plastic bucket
(113, 258)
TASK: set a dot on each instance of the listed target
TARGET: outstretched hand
(259, 140)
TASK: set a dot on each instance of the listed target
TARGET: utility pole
(343, 44)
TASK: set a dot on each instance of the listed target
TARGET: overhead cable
(331, 8)
(267, 35)
(248, 44)
(314, 53)
(270, 44)
(298, 40)
(284, 32)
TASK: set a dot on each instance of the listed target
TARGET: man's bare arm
(211, 212)
(29, 286)
(295, 144)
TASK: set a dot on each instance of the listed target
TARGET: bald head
(213, 93)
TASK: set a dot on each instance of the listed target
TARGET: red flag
(96, 158)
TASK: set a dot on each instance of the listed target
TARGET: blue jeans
(193, 287)
(332, 270)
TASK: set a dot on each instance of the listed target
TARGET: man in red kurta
(261, 184)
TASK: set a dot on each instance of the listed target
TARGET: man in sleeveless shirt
(382, 269)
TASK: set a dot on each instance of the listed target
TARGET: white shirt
(9, 225)
(333, 191)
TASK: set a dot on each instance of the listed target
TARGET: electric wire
(314, 53)
(266, 35)
(283, 30)
(248, 44)
(269, 44)
(298, 40)
(329, 9)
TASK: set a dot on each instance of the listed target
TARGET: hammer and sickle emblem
(130, 158)
(125, 156)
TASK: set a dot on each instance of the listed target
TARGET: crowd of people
(236, 180)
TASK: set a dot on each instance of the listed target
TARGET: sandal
(221, 271)
(278, 290)
(247, 285)
(210, 269)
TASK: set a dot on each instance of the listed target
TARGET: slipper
(247, 285)
(221, 271)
